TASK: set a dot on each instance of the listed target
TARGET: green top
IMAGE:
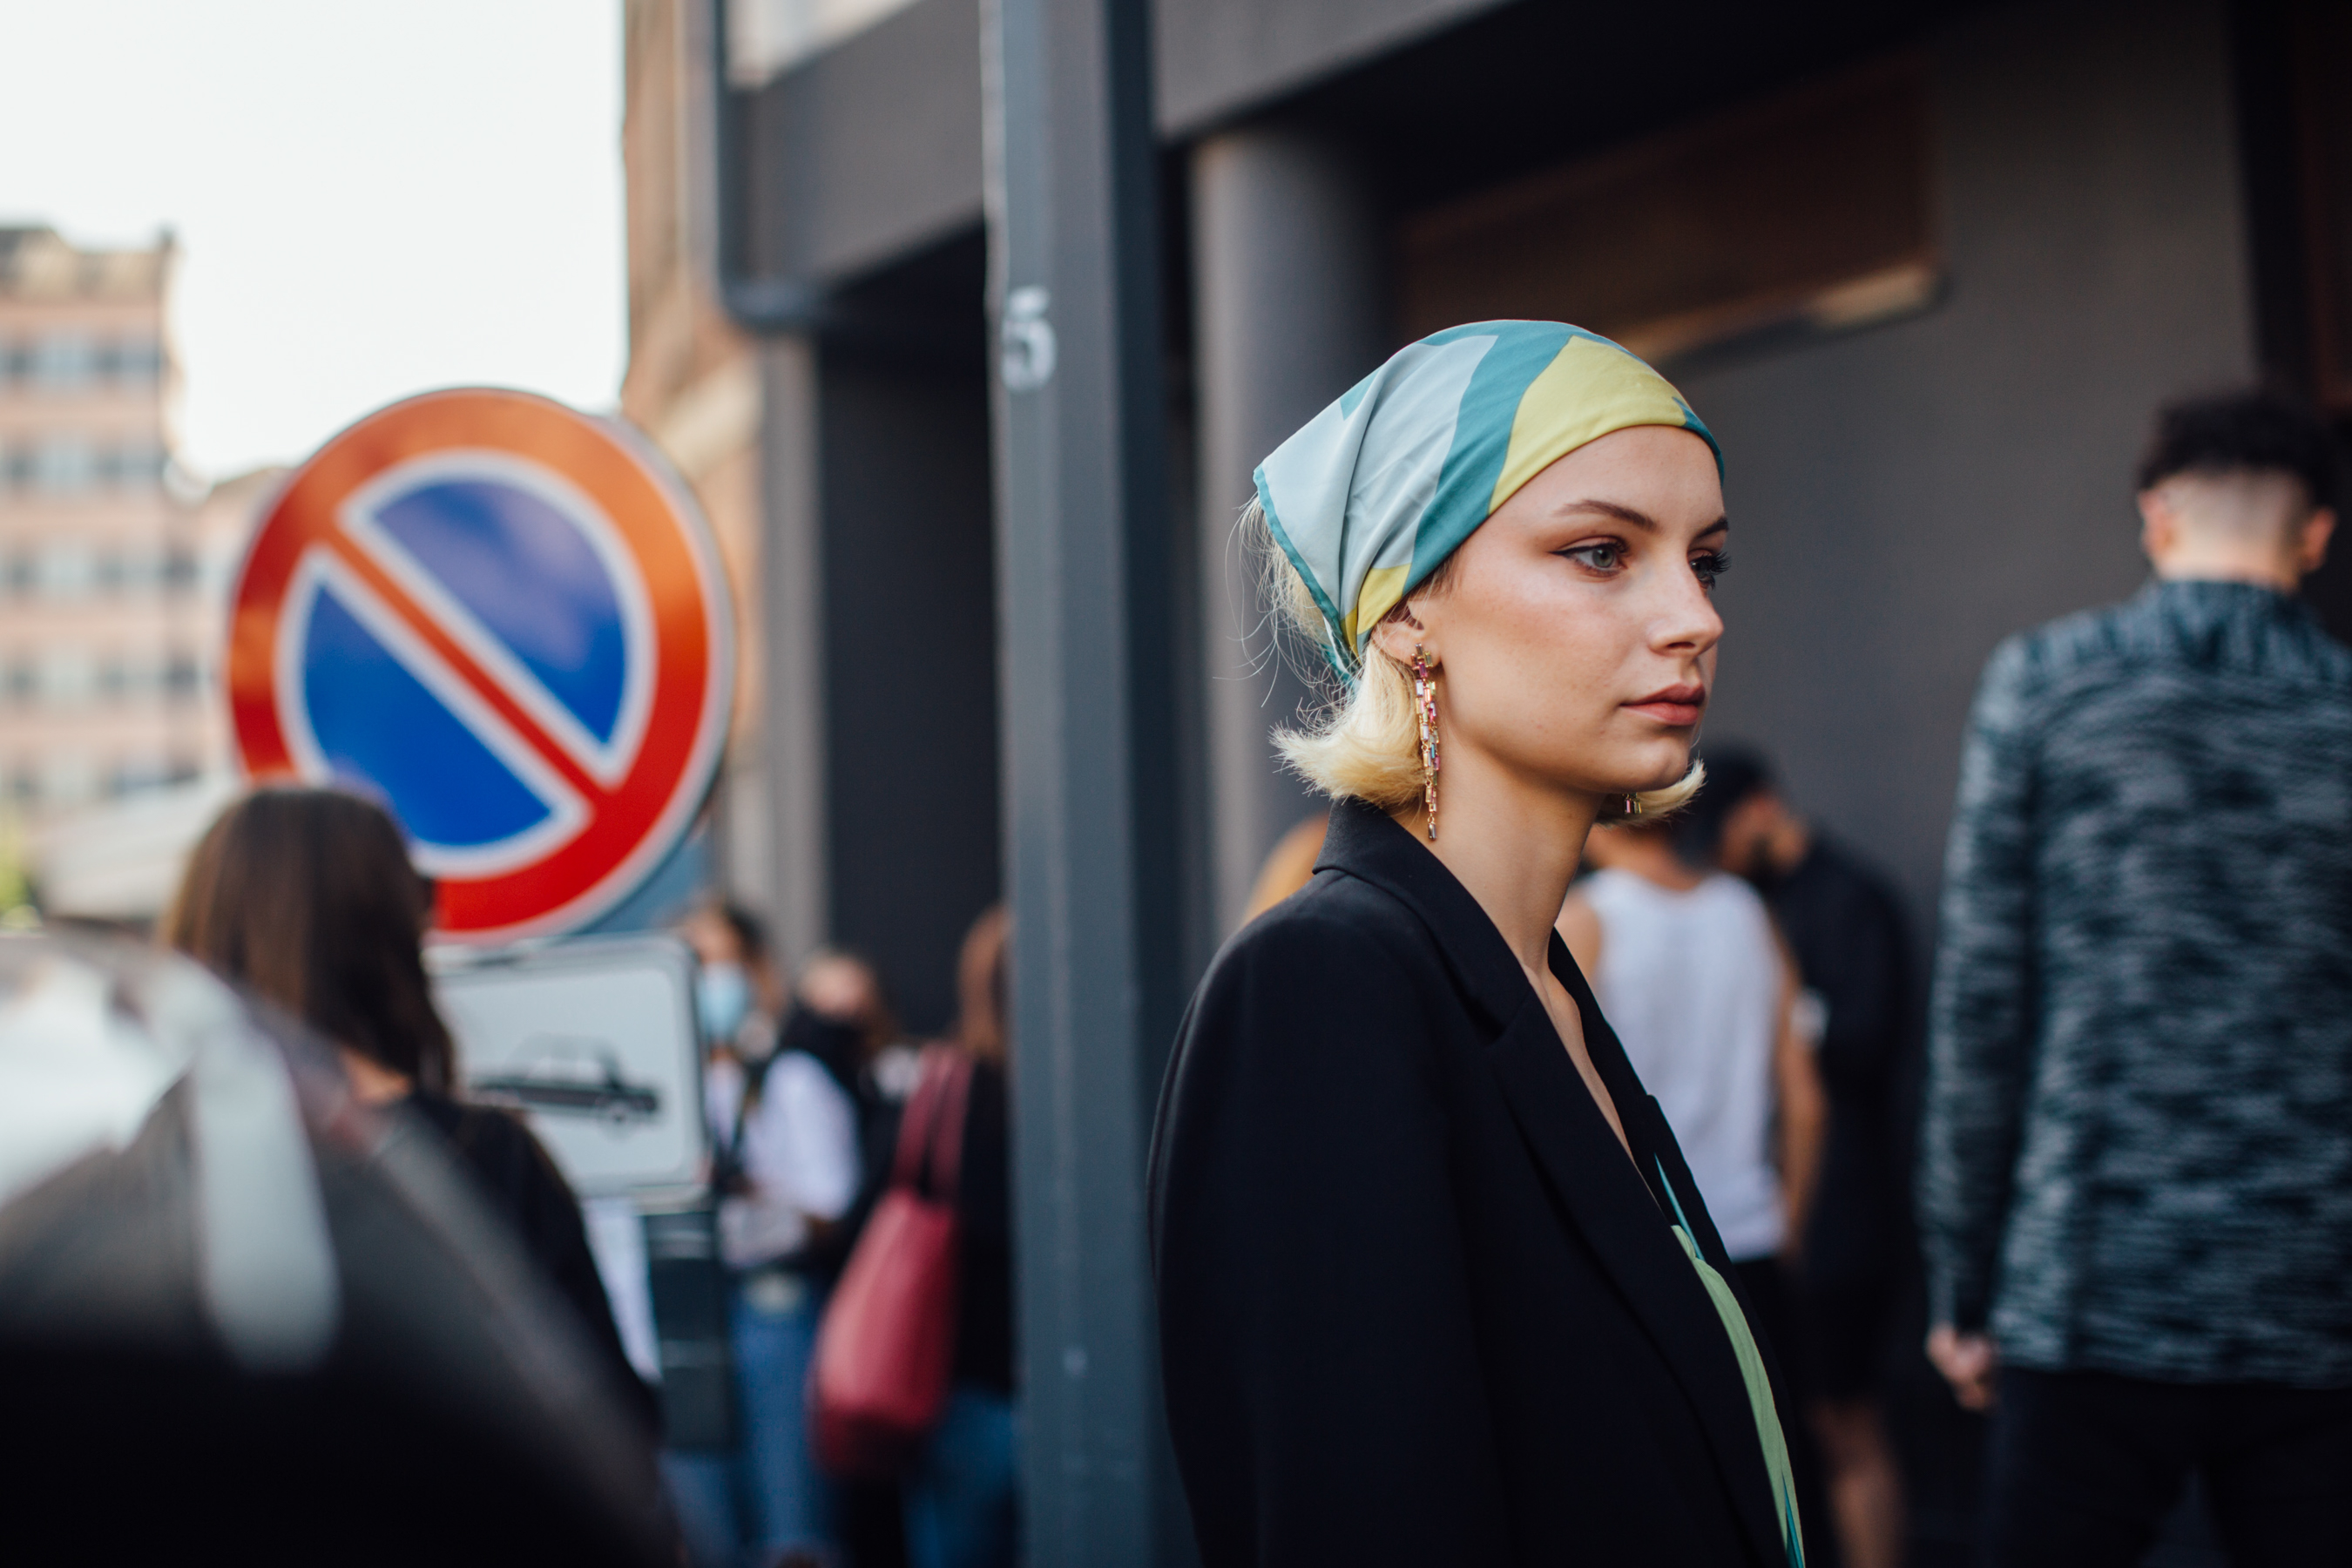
(1752, 1373)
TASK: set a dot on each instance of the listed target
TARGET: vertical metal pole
(1087, 703)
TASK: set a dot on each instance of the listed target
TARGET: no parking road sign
(507, 621)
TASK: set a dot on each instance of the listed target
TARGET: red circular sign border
(632, 824)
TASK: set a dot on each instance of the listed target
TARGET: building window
(141, 570)
(134, 361)
(66, 571)
(66, 464)
(136, 465)
(179, 568)
(182, 677)
(67, 676)
(64, 361)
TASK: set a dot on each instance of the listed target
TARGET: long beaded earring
(1424, 707)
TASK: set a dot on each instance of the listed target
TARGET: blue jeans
(962, 1498)
(766, 1498)
(702, 1491)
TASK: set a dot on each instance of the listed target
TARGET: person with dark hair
(306, 898)
(779, 1101)
(2136, 1185)
(1844, 927)
(737, 994)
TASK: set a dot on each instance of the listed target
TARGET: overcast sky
(372, 198)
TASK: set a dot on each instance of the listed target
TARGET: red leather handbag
(886, 1351)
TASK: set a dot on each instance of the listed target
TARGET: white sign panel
(594, 1041)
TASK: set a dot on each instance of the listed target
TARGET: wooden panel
(1815, 206)
(2322, 46)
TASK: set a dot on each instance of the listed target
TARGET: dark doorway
(909, 622)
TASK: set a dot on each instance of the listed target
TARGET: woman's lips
(1676, 707)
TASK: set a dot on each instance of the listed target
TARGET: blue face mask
(722, 1000)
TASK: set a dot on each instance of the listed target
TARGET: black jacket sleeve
(523, 1185)
(1323, 1383)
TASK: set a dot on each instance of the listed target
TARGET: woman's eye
(1607, 556)
(1709, 566)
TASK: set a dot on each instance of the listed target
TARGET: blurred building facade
(694, 385)
(107, 629)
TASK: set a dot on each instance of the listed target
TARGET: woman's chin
(1633, 770)
(1661, 771)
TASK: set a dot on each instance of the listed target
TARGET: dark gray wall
(1904, 498)
(911, 664)
(1214, 59)
(870, 151)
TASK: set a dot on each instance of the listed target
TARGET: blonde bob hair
(1364, 740)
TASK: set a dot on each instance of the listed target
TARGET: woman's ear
(1401, 631)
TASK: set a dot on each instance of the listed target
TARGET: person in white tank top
(1692, 976)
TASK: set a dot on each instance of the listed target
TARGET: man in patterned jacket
(2136, 1170)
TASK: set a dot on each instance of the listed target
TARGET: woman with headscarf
(1435, 1284)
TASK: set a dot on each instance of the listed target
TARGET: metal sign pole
(1089, 772)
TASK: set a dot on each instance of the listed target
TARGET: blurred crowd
(807, 1085)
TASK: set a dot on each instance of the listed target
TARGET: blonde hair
(1364, 740)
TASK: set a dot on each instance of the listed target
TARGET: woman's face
(1575, 643)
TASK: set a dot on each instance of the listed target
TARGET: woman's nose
(1687, 620)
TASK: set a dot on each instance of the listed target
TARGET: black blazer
(1416, 1307)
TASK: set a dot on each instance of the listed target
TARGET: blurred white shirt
(799, 1156)
(1691, 982)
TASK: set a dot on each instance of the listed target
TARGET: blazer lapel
(1610, 1203)
(1613, 1207)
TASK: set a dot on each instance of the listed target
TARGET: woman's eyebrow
(1637, 516)
(1622, 513)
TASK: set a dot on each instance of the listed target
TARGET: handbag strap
(939, 1098)
(947, 1140)
(915, 1122)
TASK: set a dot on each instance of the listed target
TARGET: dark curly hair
(2256, 431)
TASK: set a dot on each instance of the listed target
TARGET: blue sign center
(528, 573)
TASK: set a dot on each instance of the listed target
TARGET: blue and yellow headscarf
(1382, 486)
